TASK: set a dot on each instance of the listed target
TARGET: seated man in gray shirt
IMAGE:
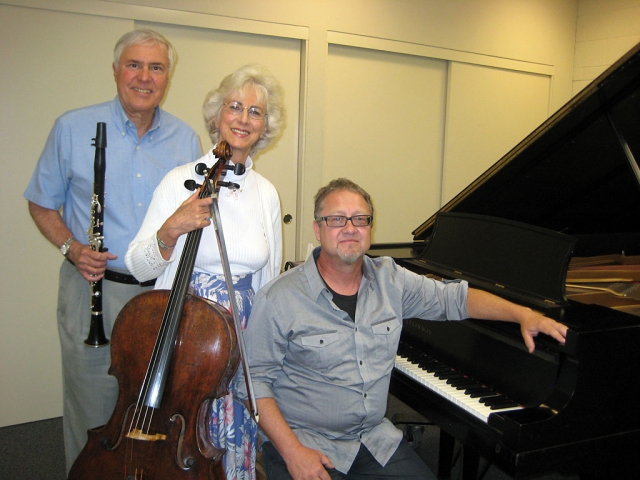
(322, 341)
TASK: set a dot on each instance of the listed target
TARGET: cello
(158, 429)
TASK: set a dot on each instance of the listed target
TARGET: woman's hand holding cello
(194, 213)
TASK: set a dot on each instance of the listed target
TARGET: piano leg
(445, 454)
(470, 463)
(470, 458)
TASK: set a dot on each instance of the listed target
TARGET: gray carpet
(32, 451)
(35, 451)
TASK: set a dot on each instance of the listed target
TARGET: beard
(351, 257)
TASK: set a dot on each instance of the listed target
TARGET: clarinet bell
(96, 337)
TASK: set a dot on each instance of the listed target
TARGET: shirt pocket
(387, 332)
(320, 351)
(319, 340)
(386, 327)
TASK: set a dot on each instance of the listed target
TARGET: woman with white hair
(246, 111)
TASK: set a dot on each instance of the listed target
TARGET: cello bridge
(137, 434)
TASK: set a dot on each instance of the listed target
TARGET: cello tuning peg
(231, 185)
(191, 185)
(238, 168)
(201, 169)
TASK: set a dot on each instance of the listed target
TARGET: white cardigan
(143, 258)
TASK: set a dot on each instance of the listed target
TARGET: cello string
(143, 413)
(169, 324)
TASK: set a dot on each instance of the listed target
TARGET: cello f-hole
(189, 462)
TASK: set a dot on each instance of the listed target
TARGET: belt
(126, 278)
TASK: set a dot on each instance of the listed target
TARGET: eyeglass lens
(237, 108)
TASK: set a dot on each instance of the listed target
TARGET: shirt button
(139, 175)
(360, 362)
(138, 147)
(321, 342)
(365, 395)
(139, 204)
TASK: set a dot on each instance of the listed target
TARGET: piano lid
(575, 174)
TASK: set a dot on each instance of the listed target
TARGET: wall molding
(163, 15)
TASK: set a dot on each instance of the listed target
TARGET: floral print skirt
(231, 426)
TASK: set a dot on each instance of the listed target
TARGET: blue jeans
(404, 464)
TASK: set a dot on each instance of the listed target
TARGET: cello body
(174, 443)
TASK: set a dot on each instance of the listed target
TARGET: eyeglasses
(237, 108)
(341, 220)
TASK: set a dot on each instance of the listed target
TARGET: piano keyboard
(476, 399)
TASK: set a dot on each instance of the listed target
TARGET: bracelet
(162, 245)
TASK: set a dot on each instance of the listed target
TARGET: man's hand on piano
(486, 306)
(532, 323)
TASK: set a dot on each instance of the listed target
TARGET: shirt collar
(316, 282)
(367, 269)
(121, 119)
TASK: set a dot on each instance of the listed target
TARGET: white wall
(523, 38)
(606, 30)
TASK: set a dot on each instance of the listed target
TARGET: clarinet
(96, 337)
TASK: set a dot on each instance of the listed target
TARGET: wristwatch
(64, 248)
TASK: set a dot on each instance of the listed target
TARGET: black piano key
(495, 401)
(490, 399)
(457, 378)
(468, 388)
(428, 366)
(479, 393)
(442, 368)
(464, 384)
(426, 361)
(443, 375)
(436, 367)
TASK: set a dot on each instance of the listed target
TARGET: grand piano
(554, 225)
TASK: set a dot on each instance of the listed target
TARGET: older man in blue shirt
(322, 344)
(143, 144)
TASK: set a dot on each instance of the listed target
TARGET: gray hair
(339, 184)
(143, 37)
(268, 90)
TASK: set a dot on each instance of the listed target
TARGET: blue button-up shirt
(64, 174)
(329, 374)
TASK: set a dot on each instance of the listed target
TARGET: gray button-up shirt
(330, 375)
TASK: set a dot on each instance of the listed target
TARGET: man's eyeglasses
(237, 108)
(341, 220)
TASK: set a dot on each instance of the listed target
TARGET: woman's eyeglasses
(237, 108)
